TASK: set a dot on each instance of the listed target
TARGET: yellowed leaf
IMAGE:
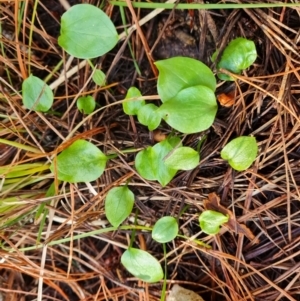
(179, 293)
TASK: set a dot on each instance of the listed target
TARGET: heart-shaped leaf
(148, 116)
(210, 221)
(190, 111)
(86, 104)
(165, 229)
(142, 265)
(86, 32)
(150, 161)
(236, 57)
(183, 158)
(178, 73)
(118, 204)
(131, 107)
(37, 95)
(240, 152)
(82, 161)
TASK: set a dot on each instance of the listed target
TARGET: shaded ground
(265, 198)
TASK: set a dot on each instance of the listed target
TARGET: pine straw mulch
(265, 197)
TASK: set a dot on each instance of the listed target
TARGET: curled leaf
(236, 57)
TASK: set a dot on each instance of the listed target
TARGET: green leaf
(192, 110)
(210, 221)
(118, 204)
(150, 161)
(145, 163)
(236, 57)
(240, 152)
(37, 95)
(165, 229)
(178, 73)
(86, 32)
(131, 107)
(142, 265)
(148, 116)
(80, 162)
(86, 104)
(183, 158)
(99, 77)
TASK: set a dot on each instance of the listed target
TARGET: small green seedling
(240, 152)
(150, 161)
(86, 104)
(161, 161)
(210, 221)
(187, 90)
(186, 87)
(82, 161)
(236, 57)
(87, 32)
(99, 77)
(132, 106)
(118, 205)
(142, 265)
(165, 229)
(37, 95)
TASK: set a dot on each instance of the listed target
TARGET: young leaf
(150, 161)
(86, 32)
(37, 95)
(82, 161)
(99, 77)
(213, 203)
(148, 116)
(183, 158)
(210, 221)
(86, 104)
(165, 229)
(145, 163)
(192, 110)
(131, 107)
(240, 152)
(179, 73)
(237, 56)
(118, 204)
(142, 265)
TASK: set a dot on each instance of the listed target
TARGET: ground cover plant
(76, 160)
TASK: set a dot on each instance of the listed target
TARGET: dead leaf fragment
(179, 293)
(213, 203)
(226, 99)
(159, 136)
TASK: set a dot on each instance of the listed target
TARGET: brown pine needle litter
(263, 201)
